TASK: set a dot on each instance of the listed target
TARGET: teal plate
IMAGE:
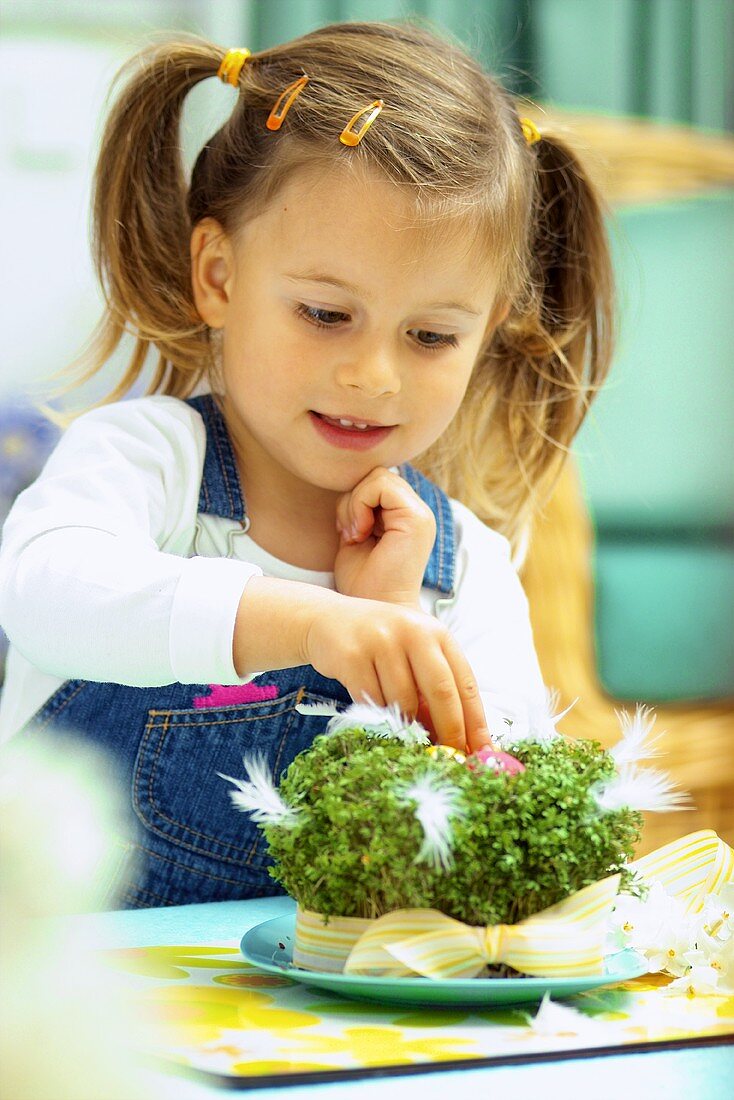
(269, 947)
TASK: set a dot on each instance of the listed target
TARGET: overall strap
(441, 569)
(221, 492)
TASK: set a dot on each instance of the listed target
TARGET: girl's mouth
(356, 435)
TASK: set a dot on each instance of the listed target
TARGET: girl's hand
(398, 655)
(387, 534)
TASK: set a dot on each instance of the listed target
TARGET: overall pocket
(177, 791)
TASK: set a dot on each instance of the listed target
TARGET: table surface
(703, 1073)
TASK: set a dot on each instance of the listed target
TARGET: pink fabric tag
(220, 696)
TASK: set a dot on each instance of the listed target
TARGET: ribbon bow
(566, 939)
(690, 868)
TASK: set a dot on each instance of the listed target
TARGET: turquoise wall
(668, 59)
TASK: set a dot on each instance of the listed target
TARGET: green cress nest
(359, 845)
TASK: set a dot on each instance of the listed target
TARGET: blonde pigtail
(140, 227)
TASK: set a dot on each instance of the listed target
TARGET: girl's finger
(475, 721)
(355, 520)
(435, 680)
(382, 491)
(424, 717)
(366, 688)
(398, 684)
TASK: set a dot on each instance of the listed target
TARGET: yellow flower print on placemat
(409, 1016)
(260, 1069)
(175, 962)
(645, 983)
(253, 979)
(200, 1012)
(383, 1046)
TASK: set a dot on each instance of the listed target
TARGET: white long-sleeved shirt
(105, 573)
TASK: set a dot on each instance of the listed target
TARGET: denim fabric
(168, 744)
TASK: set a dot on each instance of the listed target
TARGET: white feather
(327, 709)
(382, 722)
(640, 789)
(538, 726)
(636, 742)
(437, 802)
(258, 795)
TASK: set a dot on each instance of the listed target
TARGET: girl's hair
(449, 137)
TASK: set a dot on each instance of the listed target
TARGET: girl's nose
(374, 371)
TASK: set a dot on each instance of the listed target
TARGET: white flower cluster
(697, 949)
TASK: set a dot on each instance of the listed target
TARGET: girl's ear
(212, 271)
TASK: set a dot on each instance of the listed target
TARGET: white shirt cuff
(202, 621)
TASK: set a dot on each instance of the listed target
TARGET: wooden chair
(697, 739)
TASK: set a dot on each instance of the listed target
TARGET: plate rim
(367, 981)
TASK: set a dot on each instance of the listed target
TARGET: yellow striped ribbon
(691, 868)
(567, 939)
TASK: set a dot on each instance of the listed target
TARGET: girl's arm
(96, 581)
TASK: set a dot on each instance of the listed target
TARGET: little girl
(380, 287)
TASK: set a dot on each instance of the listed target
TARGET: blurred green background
(656, 454)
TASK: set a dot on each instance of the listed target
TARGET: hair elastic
(231, 67)
(278, 113)
(530, 131)
(348, 136)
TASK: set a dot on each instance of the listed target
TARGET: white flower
(717, 956)
(259, 796)
(657, 926)
(697, 982)
(639, 789)
(376, 721)
(636, 743)
(716, 918)
(437, 801)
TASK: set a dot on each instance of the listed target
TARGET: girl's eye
(322, 318)
(330, 318)
(437, 340)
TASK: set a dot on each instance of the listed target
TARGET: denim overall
(167, 744)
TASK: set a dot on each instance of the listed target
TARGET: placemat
(211, 1012)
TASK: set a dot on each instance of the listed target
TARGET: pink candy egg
(500, 761)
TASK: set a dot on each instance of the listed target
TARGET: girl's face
(334, 306)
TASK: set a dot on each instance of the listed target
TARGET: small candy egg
(434, 750)
(500, 761)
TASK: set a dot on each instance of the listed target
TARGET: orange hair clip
(348, 136)
(231, 67)
(530, 131)
(278, 113)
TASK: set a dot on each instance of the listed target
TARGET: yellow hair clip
(278, 113)
(530, 131)
(231, 67)
(348, 136)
